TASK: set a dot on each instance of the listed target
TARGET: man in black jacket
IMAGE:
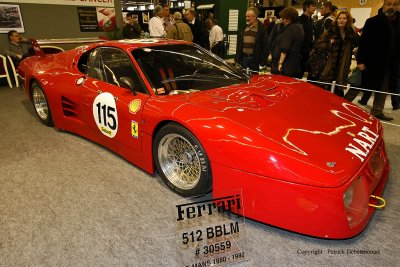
(396, 89)
(309, 7)
(376, 56)
(198, 30)
(132, 29)
(251, 49)
(324, 23)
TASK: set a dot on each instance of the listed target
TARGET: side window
(84, 61)
(111, 65)
(87, 64)
(95, 65)
(117, 69)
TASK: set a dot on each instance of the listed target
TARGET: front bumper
(309, 210)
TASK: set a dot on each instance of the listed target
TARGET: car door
(112, 110)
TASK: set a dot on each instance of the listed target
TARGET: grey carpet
(65, 201)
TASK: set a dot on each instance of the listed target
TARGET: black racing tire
(40, 104)
(181, 161)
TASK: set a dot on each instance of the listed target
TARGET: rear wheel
(181, 161)
(40, 104)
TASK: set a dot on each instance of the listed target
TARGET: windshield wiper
(186, 78)
(202, 77)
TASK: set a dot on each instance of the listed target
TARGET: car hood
(285, 129)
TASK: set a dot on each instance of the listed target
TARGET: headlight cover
(355, 200)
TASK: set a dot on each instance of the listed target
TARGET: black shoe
(383, 117)
(396, 108)
(362, 103)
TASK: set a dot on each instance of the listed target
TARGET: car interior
(173, 72)
(110, 65)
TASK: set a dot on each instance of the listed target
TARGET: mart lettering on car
(362, 143)
(105, 114)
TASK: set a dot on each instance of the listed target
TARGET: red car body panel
(285, 144)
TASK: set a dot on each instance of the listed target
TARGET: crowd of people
(324, 49)
(178, 26)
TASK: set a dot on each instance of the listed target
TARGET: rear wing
(36, 47)
(39, 51)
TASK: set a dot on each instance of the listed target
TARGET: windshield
(184, 68)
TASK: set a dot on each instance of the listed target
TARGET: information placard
(232, 39)
(88, 19)
(210, 231)
(233, 20)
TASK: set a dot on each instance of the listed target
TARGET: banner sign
(96, 19)
(106, 19)
(88, 19)
(10, 18)
(94, 3)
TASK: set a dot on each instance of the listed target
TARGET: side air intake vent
(70, 108)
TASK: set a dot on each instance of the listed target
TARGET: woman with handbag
(335, 47)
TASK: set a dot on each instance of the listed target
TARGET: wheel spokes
(179, 161)
(40, 103)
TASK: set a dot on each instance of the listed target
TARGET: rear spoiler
(39, 52)
(36, 47)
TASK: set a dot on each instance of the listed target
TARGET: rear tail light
(356, 203)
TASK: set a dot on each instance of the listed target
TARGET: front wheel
(181, 161)
(40, 104)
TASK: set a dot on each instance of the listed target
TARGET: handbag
(354, 78)
(316, 62)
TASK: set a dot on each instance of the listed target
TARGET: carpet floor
(66, 201)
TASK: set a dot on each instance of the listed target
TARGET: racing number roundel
(105, 114)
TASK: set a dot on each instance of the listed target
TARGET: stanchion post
(348, 87)
(333, 87)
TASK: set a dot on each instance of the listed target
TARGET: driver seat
(170, 85)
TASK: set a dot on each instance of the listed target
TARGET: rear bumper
(309, 210)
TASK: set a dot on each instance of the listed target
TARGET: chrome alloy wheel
(179, 161)
(40, 103)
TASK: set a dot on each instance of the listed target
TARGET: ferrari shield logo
(134, 129)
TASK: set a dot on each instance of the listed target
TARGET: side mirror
(126, 82)
(239, 67)
(242, 70)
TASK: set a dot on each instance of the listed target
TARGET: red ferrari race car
(304, 159)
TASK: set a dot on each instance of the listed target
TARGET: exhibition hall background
(44, 21)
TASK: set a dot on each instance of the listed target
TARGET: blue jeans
(247, 62)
